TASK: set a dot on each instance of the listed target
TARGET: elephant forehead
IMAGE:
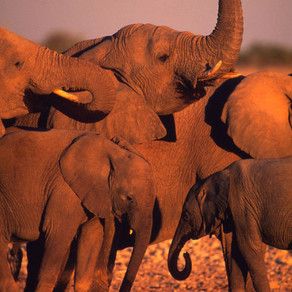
(142, 33)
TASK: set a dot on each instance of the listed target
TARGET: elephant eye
(163, 58)
(18, 64)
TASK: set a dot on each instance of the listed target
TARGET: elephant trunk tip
(183, 274)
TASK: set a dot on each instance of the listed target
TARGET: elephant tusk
(231, 75)
(66, 95)
(214, 70)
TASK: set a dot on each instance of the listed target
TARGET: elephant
(199, 138)
(47, 192)
(264, 93)
(26, 66)
(132, 191)
(251, 199)
(169, 69)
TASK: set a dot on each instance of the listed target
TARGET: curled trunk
(44, 70)
(178, 242)
(53, 70)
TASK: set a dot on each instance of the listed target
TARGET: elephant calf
(52, 182)
(252, 199)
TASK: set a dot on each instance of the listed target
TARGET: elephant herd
(109, 144)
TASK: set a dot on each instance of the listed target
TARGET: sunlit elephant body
(162, 70)
(26, 66)
(115, 184)
(251, 200)
(198, 145)
(47, 193)
(258, 114)
(198, 141)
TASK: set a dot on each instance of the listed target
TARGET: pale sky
(265, 20)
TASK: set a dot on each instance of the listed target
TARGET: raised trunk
(53, 71)
(142, 239)
(222, 44)
(178, 242)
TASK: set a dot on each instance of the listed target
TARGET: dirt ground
(208, 273)
(208, 268)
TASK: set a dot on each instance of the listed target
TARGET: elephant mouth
(190, 91)
(184, 86)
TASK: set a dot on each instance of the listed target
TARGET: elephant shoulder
(258, 113)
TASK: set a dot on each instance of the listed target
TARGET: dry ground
(208, 272)
(208, 268)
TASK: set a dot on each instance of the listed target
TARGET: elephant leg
(236, 268)
(55, 251)
(253, 251)
(103, 269)
(111, 262)
(89, 245)
(62, 218)
(65, 280)
(35, 251)
(7, 283)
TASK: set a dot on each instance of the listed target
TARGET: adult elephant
(198, 142)
(26, 66)
(238, 118)
(170, 69)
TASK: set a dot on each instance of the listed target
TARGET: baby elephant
(52, 182)
(250, 198)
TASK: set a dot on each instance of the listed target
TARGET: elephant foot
(9, 286)
(99, 287)
(249, 284)
(101, 282)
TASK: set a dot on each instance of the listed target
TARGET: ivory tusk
(66, 95)
(231, 75)
(214, 70)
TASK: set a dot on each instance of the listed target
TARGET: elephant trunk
(223, 44)
(142, 239)
(180, 238)
(53, 70)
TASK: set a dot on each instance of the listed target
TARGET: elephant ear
(86, 170)
(258, 115)
(213, 200)
(132, 119)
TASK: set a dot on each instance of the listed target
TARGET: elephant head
(203, 211)
(113, 178)
(26, 66)
(169, 68)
